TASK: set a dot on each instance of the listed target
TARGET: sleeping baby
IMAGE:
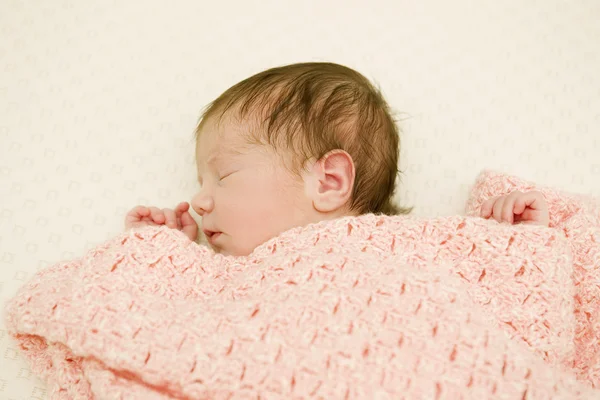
(296, 145)
(332, 300)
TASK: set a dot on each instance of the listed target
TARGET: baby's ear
(332, 181)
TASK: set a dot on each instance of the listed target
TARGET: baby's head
(291, 146)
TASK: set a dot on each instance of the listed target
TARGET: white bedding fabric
(98, 101)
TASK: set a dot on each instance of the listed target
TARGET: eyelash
(220, 179)
(225, 176)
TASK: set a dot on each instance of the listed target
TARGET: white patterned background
(98, 101)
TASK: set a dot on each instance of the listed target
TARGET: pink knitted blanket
(365, 307)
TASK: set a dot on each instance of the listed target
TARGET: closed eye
(227, 175)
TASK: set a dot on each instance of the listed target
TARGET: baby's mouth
(211, 236)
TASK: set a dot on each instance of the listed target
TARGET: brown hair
(313, 108)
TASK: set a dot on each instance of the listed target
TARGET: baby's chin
(221, 250)
(218, 250)
(226, 246)
(230, 252)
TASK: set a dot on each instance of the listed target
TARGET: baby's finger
(487, 206)
(157, 215)
(520, 206)
(534, 200)
(189, 226)
(529, 216)
(170, 218)
(182, 207)
(138, 212)
(508, 207)
(179, 210)
(142, 211)
(135, 215)
(497, 210)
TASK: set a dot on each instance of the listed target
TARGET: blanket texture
(578, 218)
(360, 307)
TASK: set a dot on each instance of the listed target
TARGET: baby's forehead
(223, 139)
(209, 149)
(227, 128)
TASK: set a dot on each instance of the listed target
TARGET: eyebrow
(214, 158)
(229, 154)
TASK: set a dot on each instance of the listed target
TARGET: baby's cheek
(255, 214)
(254, 205)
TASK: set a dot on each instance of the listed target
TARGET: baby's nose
(202, 203)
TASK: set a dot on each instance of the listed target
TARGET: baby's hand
(518, 207)
(179, 218)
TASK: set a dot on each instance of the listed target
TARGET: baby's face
(247, 196)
